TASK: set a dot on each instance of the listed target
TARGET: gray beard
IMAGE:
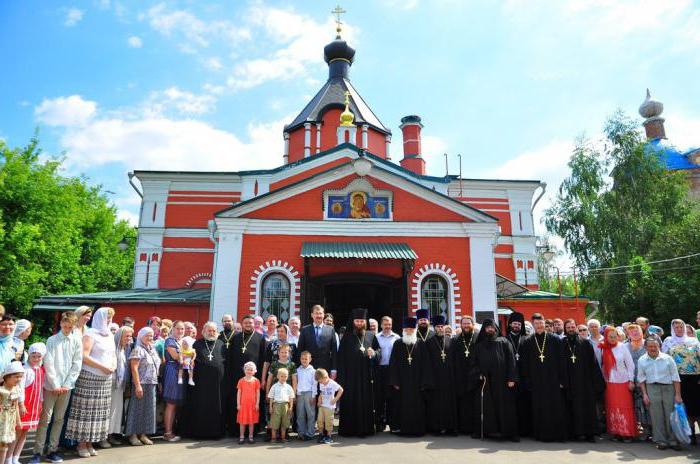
(410, 339)
(209, 338)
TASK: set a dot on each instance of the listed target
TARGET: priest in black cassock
(424, 331)
(584, 383)
(516, 336)
(356, 361)
(410, 375)
(249, 345)
(441, 413)
(228, 395)
(203, 409)
(542, 373)
(495, 375)
(460, 359)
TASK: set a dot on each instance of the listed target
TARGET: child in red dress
(248, 402)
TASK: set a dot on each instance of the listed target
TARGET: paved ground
(390, 449)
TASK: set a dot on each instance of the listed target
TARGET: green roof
(370, 250)
(138, 295)
(542, 295)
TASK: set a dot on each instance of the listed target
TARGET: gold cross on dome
(337, 11)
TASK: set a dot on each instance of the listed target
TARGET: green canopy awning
(138, 295)
(371, 250)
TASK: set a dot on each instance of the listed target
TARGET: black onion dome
(338, 49)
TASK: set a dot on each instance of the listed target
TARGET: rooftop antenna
(460, 174)
(447, 170)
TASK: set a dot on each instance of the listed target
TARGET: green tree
(616, 208)
(57, 233)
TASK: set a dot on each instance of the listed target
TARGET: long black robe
(357, 374)
(494, 367)
(203, 409)
(441, 414)
(461, 359)
(412, 379)
(522, 394)
(584, 383)
(254, 351)
(228, 394)
(544, 379)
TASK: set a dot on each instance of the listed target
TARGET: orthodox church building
(349, 219)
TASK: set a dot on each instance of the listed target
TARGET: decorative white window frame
(199, 278)
(362, 185)
(271, 267)
(453, 290)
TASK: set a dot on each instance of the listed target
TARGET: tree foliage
(620, 207)
(57, 233)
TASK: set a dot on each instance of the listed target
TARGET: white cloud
(65, 111)
(73, 17)
(213, 63)
(135, 41)
(433, 150)
(683, 131)
(180, 101)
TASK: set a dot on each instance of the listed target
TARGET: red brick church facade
(339, 224)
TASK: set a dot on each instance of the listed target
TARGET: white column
(307, 139)
(318, 137)
(388, 147)
(364, 137)
(483, 274)
(286, 147)
(227, 267)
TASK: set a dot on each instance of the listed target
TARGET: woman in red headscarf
(618, 370)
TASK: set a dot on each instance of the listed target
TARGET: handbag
(679, 424)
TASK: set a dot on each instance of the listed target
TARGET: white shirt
(386, 343)
(328, 392)
(103, 351)
(281, 393)
(305, 380)
(292, 339)
(623, 371)
(661, 369)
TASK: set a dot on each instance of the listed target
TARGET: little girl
(10, 392)
(187, 357)
(248, 402)
(30, 401)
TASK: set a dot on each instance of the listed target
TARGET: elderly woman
(685, 351)
(144, 362)
(173, 392)
(88, 421)
(635, 345)
(203, 415)
(23, 329)
(618, 370)
(123, 340)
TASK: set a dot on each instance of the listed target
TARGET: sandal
(241, 441)
(251, 440)
(171, 437)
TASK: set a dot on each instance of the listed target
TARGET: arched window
(275, 297)
(434, 296)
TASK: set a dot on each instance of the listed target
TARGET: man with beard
(515, 335)
(461, 358)
(583, 383)
(204, 407)
(543, 376)
(356, 373)
(441, 417)
(226, 336)
(424, 331)
(249, 345)
(410, 375)
(495, 374)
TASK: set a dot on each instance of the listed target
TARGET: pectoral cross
(409, 360)
(466, 354)
(227, 345)
(517, 356)
(443, 356)
(362, 348)
(573, 358)
(541, 357)
(243, 350)
(210, 356)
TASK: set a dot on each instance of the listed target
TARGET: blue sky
(123, 85)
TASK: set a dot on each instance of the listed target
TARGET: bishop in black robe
(410, 375)
(543, 375)
(461, 359)
(495, 375)
(441, 413)
(228, 395)
(356, 360)
(249, 345)
(203, 409)
(583, 383)
(516, 335)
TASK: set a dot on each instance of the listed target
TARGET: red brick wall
(176, 268)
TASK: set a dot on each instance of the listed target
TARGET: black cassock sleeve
(395, 366)
(427, 374)
(509, 360)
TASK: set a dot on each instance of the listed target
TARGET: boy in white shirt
(281, 398)
(306, 393)
(329, 394)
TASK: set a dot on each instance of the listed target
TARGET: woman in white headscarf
(123, 340)
(144, 362)
(23, 329)
(88, 420)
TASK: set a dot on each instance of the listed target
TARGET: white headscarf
(674, 339)
(100, 323)
(20, 326)
(37, 348)
(29, 372)
(141, 335)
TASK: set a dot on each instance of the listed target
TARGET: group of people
(551, 380)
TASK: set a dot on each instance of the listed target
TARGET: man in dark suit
(319, 340)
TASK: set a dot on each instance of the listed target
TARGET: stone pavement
(389, 449)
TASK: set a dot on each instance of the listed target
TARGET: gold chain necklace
(443, 355)
(467, 343)
(227, 340)
(245, 343)
(362, 343)
(426, 334)
(541, 350)
(410, 353)
(211, 351)
(572, 351)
